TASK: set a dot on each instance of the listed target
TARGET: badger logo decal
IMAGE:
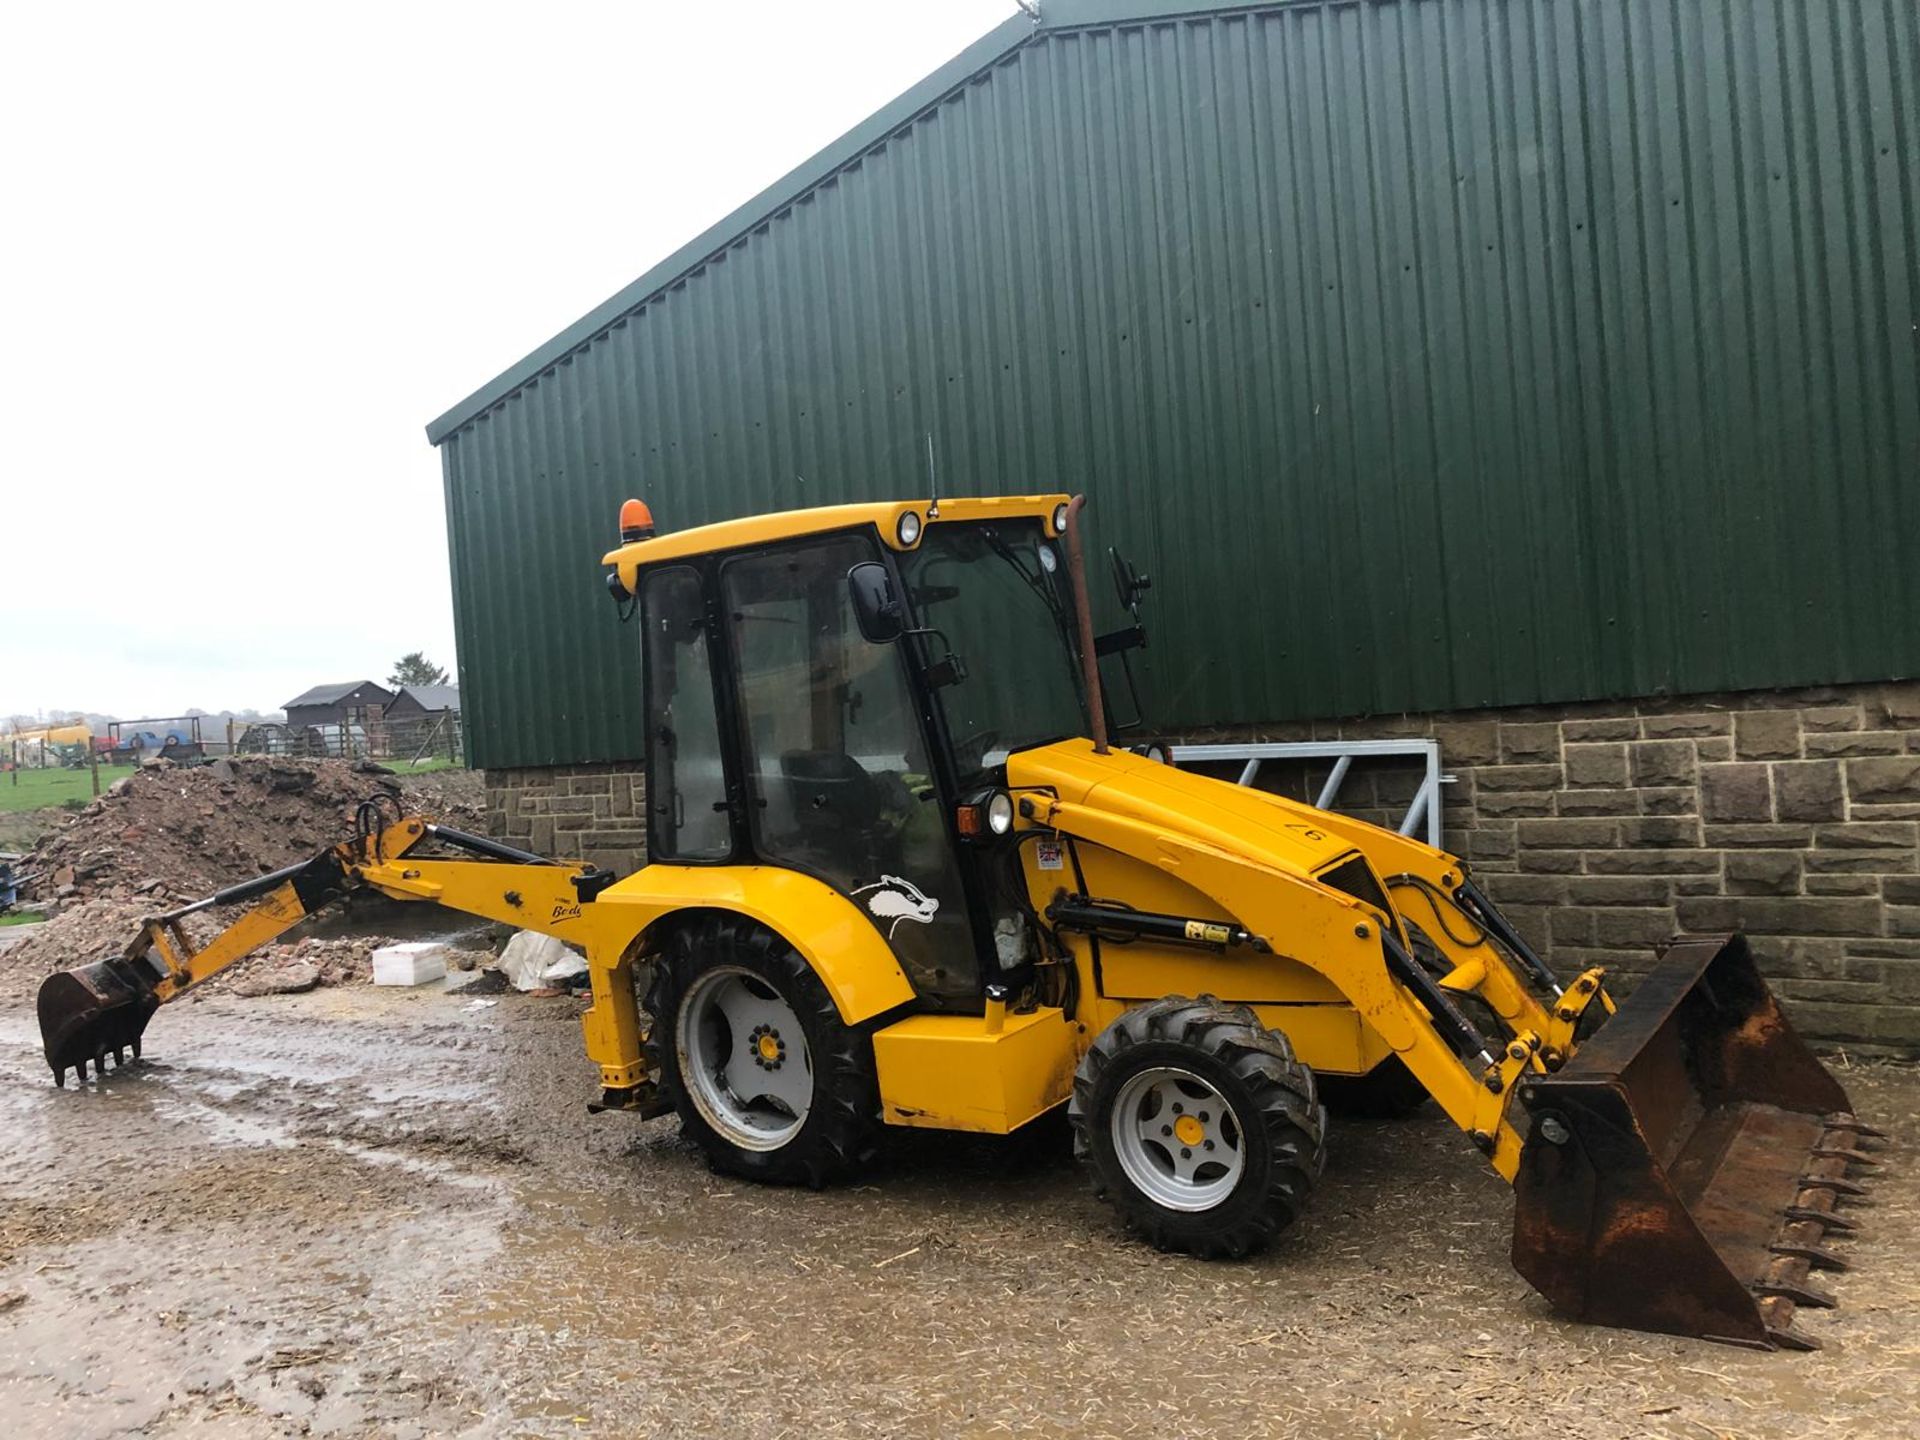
(896, 900)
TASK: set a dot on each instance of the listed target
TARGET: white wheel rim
(744, 1058)
(1177, 1139)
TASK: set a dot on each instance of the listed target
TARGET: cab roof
(884, 515)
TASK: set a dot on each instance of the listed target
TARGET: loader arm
(98, 1012)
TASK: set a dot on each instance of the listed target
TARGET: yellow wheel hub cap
(769, 1048)
(1189, 1131)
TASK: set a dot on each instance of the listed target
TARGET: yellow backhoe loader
(899, 876)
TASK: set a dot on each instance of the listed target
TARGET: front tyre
(767, 1079)
(1201, 1128)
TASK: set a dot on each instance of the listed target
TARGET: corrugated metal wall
(1430, 354)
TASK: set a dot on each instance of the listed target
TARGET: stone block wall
(596, 813)
(1602, 829)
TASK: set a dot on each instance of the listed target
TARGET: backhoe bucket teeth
(1682, 1169)
(93, 1014)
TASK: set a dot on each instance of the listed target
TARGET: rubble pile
(343, 961)
(178, 833)
(85, 931)
(170, 834)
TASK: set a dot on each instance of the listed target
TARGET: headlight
(1000, 812)
(1153, 750)
(988, 813)
(1060, 519)
(908, 529)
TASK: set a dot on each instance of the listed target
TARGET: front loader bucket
(93, 1013)
(1683, 1169)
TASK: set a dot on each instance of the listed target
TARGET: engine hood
(1231, 819)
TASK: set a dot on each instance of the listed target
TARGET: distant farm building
(418, 702)
(351, 702)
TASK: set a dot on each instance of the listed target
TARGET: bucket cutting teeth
(1798, 1249)
(1842, 1152)
(1853, 1190)
(1817, 1257)
(1827, 1218)
(1776, 1313)
(1807, 1296)
(1842, 1121)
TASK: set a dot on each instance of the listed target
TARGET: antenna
(933, 482)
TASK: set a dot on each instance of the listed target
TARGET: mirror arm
(1089, 659)
(949, 669)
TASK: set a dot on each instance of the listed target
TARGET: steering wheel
(978, 744)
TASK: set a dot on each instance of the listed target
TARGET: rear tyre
(767, 1079)
(1200, 1126)
(1389, 1091)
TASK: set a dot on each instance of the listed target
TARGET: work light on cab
(907, 531)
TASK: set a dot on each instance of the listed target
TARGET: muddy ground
(365, 1212)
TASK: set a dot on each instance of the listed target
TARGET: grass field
(42, 789)
(21, 917)
(425, 767)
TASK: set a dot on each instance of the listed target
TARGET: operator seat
(838, 807)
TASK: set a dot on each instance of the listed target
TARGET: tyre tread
(1283, 1093)
(842, 1132)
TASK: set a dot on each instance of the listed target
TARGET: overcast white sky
(250, 250)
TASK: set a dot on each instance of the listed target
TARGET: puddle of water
(443, 1171)
(223, 1127)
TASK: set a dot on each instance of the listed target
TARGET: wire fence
(406, 739)
(409, 738)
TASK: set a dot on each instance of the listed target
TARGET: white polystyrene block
(414, 963)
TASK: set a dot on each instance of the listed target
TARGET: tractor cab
(838, 691)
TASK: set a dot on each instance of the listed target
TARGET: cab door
(835, 757)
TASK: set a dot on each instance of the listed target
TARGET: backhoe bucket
(93, 1013)
(1684, 1167)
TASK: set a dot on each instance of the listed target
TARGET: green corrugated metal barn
(1431, 354)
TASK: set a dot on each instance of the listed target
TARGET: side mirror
(876, 608)
(1128, 582)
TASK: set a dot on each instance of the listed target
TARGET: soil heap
(170, 834)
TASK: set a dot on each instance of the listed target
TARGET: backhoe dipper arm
(99, 1011)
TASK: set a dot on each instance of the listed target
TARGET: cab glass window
(836, 765)
(686, 777)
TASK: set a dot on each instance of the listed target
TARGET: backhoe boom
(97, 1012)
